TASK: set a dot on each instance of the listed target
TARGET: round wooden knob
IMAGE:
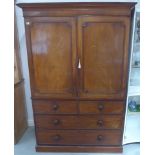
(55, 107)
(100, 107)
(56, 137)
(99, 137)
(56, 122)
(100, 123)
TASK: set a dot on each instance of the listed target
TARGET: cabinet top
(75, 9)
(77, 5)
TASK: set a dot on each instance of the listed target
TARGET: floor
(132, 128)
(26, 146)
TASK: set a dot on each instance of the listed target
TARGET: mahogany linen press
(78, 55)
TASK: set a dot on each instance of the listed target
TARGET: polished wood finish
(78, 59)
(75, 9)
(101, 107)
(52, 41)
(55, 107)
(79, 122)
(103, 59)
(83, 137)
(90, 149)
(75, 107)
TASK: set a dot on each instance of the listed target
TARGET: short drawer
(55, 107)
(103, 107)
(79, 122)
(79, 137)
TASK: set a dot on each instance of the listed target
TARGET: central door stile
(75, 57)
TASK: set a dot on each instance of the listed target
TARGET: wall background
(22, 41)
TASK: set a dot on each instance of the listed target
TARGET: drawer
(55, 107)
(104, 107)
(79, 122)
(79, 137)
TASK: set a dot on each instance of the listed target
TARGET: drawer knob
(56, 122)
(99, 137)
(100, 123)
(55, 107)
(57, 138)
(100, 107)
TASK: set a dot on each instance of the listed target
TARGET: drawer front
(79, 122)
(103, 107)
(81, 137)
(55, 107)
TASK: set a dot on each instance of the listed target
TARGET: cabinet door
(103, 53)
(52, 53)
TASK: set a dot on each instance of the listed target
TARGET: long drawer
(79, 122)
(79, 137)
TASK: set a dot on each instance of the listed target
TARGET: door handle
(79, 64)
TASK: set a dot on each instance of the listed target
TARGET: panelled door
(52, 53)
(103, 56)
(101, 53)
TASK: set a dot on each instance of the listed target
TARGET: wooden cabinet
(78, 57)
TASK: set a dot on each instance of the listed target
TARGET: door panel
(53, 54)
(103, 50)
